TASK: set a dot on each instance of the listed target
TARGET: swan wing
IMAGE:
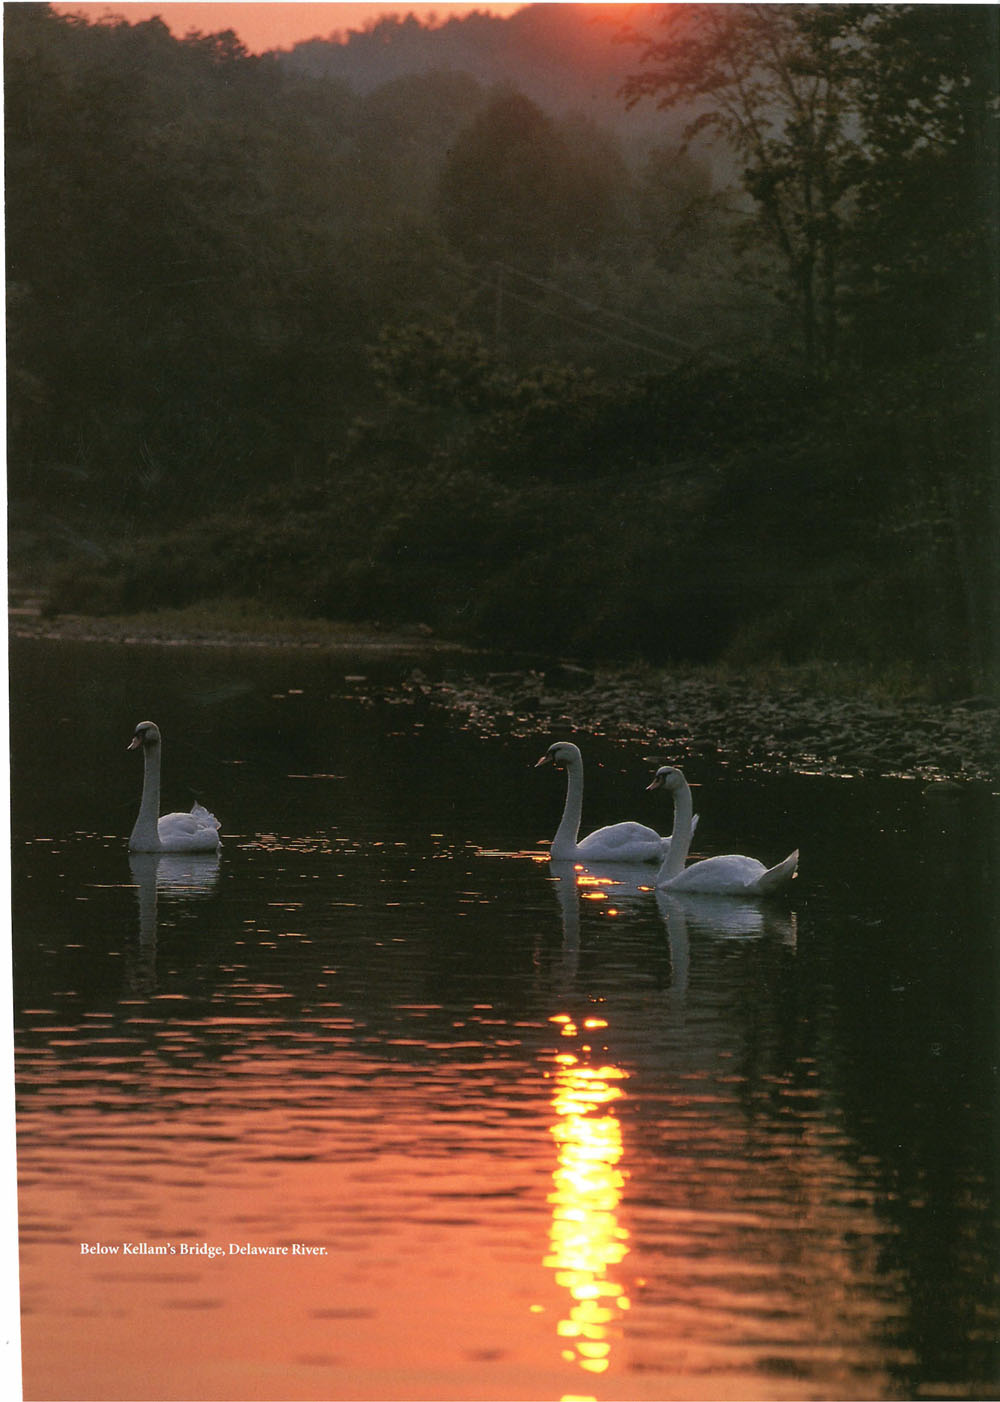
(197, 831)
(734, 875)
(729, 875)
(622, 842)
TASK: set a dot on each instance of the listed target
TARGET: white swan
(718, 876)
(197, 831)
(622, 842)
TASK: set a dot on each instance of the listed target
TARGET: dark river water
(378, 1105)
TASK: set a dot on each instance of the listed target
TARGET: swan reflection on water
(621, 889)
(180, 876)
(616, 887)
(626, 888)
(725, 917)
(716, 917)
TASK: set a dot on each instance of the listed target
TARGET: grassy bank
(230, 622)
(237, 621)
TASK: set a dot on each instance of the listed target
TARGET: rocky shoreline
(781, 729)
(749, 726)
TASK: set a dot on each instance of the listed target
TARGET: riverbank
(206, 628)
(780, 727)
(775, 720)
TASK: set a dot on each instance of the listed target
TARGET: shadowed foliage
(425, 349)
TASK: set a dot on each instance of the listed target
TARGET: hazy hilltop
(567, 58)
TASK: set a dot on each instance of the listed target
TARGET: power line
(575, 321)
(593, 307)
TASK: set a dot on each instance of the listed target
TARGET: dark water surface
(554, 1136)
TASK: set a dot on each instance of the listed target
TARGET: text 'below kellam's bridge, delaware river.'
(197, 1248)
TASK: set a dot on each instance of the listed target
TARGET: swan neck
(145, 836)
(680, 837)
(568, 831)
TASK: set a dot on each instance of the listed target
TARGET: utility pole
(498, 311)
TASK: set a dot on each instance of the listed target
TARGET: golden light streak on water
(586, 1239)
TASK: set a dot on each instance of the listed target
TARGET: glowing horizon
(274, 24)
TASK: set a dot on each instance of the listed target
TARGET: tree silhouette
(500, 191)
(776, 82)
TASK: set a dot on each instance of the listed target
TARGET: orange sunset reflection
(585, 1238)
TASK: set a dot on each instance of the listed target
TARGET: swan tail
(777, 876)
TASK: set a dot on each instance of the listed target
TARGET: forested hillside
(570, 58)
(434, 349)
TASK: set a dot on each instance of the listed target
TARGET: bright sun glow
(585, 1237)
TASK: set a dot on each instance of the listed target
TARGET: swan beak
(134, 743)
(656, 784)
(545, 759)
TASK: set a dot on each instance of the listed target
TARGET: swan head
(146, 736)
(562, 754)
(667, 777)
